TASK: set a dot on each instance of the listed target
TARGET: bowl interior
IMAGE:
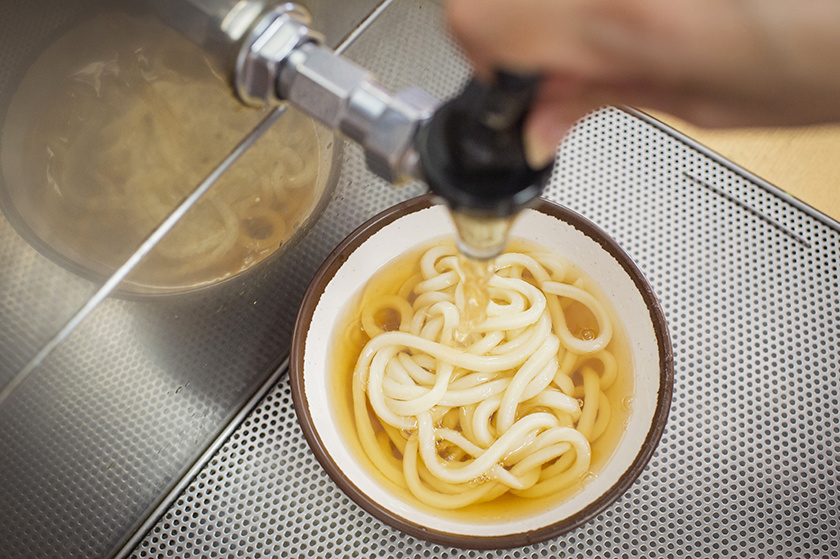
(415, 224)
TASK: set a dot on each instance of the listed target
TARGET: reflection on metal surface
(115, 123)
(142, 252)
(120, 410)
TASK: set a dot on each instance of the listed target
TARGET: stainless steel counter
(146, 395)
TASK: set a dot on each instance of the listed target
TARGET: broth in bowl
(523, 428)
(506, 422)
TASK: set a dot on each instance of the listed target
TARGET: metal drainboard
(748, 278)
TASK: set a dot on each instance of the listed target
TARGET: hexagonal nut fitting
(322, 84)
(277, 34)
(389, 146)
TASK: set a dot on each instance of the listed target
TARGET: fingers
(594, 39)
(562, 101)
(522, 35)
(715, 63)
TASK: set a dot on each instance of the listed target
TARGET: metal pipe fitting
(469, 151)
(346, 98)
(271, 42)
(284, 60)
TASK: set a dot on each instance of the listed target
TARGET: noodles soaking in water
(118, 121)
(512, 411)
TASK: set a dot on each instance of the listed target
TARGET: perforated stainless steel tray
(748, 278)
(747, 467)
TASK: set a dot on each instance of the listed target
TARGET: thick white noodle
(515, 410)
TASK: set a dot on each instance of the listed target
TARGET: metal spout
(469, 151)
(472, 155)
(472, 151)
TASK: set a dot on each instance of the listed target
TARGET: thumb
(546, 125)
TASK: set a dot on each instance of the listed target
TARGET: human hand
(715, 63)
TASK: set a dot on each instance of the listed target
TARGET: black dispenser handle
(472, 153)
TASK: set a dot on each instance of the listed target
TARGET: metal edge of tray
(734, 167)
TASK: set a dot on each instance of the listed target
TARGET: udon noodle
(513, 410)
(123, 119)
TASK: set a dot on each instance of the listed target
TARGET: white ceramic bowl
(413, 224)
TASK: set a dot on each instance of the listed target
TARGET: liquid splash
(476, 294)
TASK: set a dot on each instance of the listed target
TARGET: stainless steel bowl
(114, 123)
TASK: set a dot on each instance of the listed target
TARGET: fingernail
(538, 152)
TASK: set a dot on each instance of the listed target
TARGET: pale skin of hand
(715, 63)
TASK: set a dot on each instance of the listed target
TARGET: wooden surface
(804, 162)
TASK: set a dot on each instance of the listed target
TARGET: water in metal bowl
(115, 123)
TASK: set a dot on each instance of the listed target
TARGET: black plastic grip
(472, 152)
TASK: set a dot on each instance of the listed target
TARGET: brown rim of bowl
(666, 381)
